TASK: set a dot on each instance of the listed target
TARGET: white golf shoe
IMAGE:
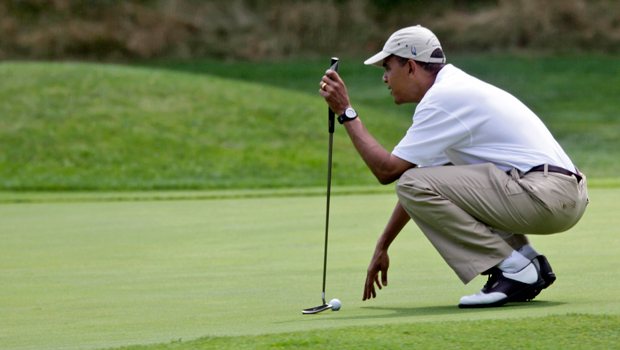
(503, 287)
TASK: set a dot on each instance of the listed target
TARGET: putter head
(316, 309)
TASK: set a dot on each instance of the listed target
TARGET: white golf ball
(335, 303)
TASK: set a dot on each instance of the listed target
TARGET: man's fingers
(377, 281)
(328, 81)
(332, 79)
(367, 293)
(323, 84)
(379, 264)
(369, 289)
(384, 276)
(333, 75)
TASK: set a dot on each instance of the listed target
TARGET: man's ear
(412, 67)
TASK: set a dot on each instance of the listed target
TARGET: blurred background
(207, 95)
(123, 30)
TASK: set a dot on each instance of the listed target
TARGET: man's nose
(385, 80)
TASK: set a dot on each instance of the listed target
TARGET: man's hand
(385, 166)
(334, 92)
(380, 262)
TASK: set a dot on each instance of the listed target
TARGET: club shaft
(329, 187)
(332, 119)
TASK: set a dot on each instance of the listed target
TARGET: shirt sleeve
(433, 131)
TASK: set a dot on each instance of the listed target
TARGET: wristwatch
(349, 114)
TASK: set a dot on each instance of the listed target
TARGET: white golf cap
(416, 43)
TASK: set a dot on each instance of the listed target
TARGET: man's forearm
(397, 221)
(382, 163)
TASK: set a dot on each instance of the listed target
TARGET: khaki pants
(476, 215)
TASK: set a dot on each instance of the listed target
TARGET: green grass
(81, 126)
(218, 125)
(91, 275)
(578, 332)
(52, 197)
(232, 264)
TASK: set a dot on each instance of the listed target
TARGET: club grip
(331, 114)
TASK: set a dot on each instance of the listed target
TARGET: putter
(332, 119)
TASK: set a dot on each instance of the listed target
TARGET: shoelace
(493, 277)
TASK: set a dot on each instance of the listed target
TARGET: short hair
(427, 66)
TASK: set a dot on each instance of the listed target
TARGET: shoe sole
(538, 285)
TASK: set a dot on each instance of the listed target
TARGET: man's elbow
(387, 178)
(386, 181)
(391, 170)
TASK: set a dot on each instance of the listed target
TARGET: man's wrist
(383, 243)
(341, 111)
(348, 115)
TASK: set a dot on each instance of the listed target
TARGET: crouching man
(509, 176)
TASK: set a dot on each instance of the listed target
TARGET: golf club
(332, 119)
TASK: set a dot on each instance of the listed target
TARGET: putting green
(104, 274)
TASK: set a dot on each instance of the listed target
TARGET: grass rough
(220, 125)
(97, 127)
(577, 332)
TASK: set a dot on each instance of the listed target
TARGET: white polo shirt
(472, 122)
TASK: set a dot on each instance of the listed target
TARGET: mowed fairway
(89, 275)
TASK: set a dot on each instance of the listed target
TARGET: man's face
(406, 82)
(397, 78)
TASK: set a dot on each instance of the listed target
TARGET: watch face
(350, 113)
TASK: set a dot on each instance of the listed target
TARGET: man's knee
(405, 182)
(412, 187)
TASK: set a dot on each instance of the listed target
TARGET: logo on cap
(413, 50)
(433, 42)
